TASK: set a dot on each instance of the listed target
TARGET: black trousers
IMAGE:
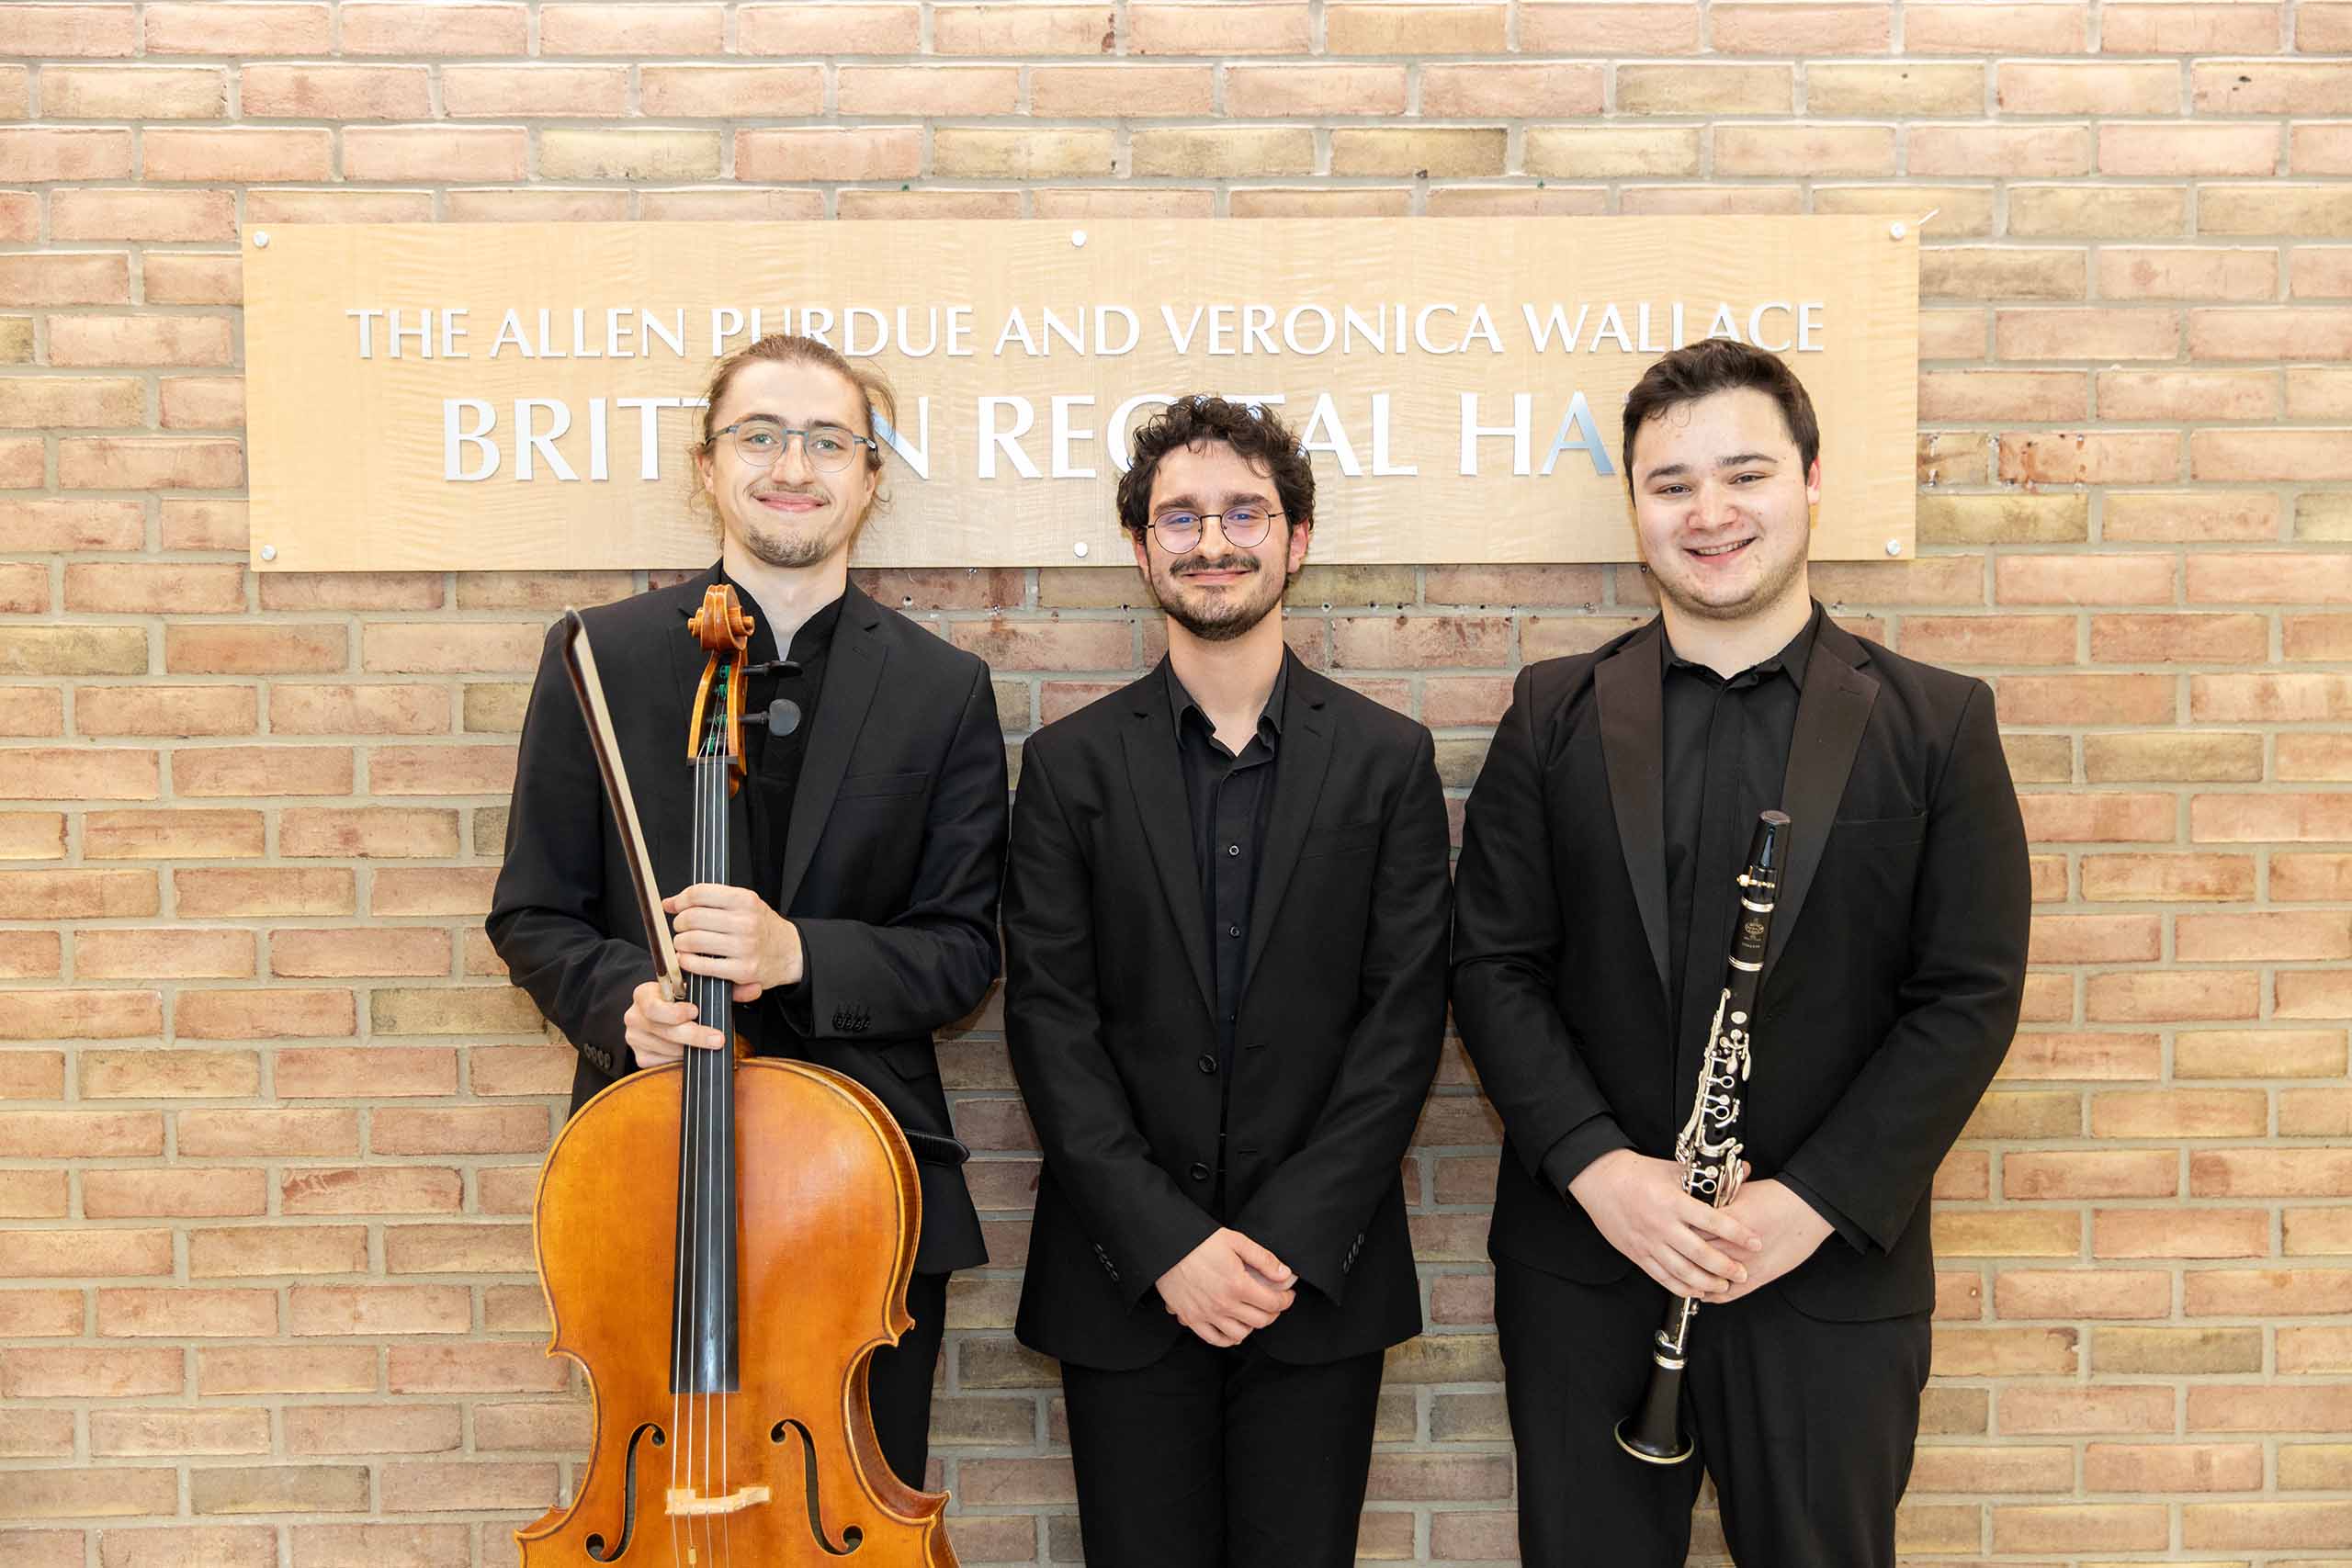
(899, 1380)
(1214, 1458)
(1806, 1426)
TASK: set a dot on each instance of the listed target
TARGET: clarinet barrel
(1709, 1144)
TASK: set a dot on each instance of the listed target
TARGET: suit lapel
(1830, 718)
(853, 672)
(1633, 747)
(1305, 756)
(1157, 777)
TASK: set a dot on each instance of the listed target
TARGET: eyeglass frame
(1201, 520)
(856, 440)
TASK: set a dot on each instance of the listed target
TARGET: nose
(1717, 505)
(792, 460)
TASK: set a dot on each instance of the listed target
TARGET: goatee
(1220, 621)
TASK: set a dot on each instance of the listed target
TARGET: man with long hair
(863, 915)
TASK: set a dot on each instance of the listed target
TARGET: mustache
(1224, 563)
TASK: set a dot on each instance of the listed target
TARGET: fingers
(1685, 1277)
(1256, 1256)
(1721, 1223)
(1700, 1253)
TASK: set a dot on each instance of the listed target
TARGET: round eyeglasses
(1244, 527)
(762, 442)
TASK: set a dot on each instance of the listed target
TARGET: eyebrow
(788, 423)
(1233, 498)
(1735, 459)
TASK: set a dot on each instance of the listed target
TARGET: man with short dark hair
(1595, 904)
(1225, 942)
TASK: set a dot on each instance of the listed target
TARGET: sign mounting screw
(269, 552)
(261, 239)
(1078, 549)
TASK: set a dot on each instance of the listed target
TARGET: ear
(1300, 534)
(1813, 484)
(702, 472)
(1141, 543)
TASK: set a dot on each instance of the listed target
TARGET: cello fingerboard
(705, 1352)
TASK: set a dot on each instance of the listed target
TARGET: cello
(779, 1202)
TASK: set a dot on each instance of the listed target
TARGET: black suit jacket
(1890, 986)
(891, 869)
(1109, 1000)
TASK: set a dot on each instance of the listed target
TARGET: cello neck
(705, 1351)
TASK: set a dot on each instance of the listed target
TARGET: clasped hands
(1227, 1288)
(1708, 1254)
(729, 933)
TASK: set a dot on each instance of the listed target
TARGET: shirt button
(1233, 849)
(1205, 1062)
(1233, 930)
(1199, 1171)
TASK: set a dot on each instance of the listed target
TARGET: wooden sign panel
(433, 397)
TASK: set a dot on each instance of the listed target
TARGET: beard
(1768, 590)
(1221, 620)
(795, 548)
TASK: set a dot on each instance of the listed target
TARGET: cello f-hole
(595, 1543)
(852, 1537)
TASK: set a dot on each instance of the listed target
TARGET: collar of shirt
(1269, 720)
(816, 633)
(1789, 662)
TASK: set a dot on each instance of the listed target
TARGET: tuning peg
(784, 716)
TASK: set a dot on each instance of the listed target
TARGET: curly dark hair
(1257, 435)
(1721, 364)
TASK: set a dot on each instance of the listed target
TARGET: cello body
(837, 1213)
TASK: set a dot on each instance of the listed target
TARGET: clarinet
(1709, 1144)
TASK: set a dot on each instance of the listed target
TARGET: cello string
(722, 994)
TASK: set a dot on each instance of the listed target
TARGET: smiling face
(788, 514)
(1218, 589)
(1723, 505)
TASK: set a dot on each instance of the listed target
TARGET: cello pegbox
(724, 631)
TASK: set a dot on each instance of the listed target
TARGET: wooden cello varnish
(724, 1243)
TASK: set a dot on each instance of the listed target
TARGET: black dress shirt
(1726, 759)
(772, 766)
(1228, 794)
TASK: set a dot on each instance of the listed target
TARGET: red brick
(275, 1013)
(139, 341)
(244, 155)
(233, 27)
(435, 153)
(405, 27)
(2149, 996)
(371, 1189)
(877, 153)
(2114, 579)
(38, 156)
(2244, 819)
(2169, 1232)
(71, 31)
(186, 1312)
(172, 1194)
(2104, 1292)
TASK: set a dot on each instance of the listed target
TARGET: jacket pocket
(1879, 832)
(1345, 839)
(865, 785)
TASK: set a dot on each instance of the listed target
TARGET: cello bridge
(684, 1502)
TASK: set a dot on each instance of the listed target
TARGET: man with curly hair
(1225, 937)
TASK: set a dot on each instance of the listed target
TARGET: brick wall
(272, 1117)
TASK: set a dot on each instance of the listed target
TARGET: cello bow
(579, 664)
